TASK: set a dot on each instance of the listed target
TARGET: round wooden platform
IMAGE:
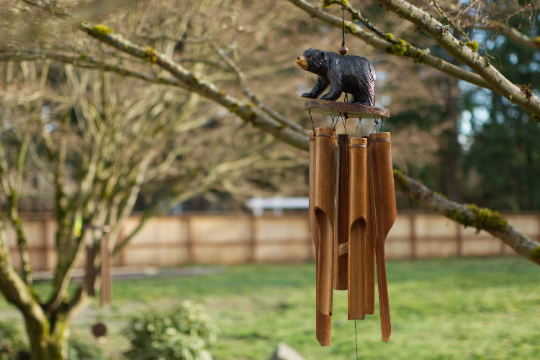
(334, 108)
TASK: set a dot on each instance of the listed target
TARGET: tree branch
(247, 91)
(464, 54)
(245, 111)
(516, 35)
(418, 55)
(469, 215)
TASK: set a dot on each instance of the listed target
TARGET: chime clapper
(341, 268)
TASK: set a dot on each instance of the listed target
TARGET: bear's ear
(323, 55)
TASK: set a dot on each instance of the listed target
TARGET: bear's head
(313, 61)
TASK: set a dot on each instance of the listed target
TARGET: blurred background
(207, 210)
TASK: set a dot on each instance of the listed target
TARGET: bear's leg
(333, 94)
(360, 99)
(318, 89)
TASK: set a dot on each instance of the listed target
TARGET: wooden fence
(211, 239)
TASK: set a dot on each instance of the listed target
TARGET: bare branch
(247, 91)
(464, 54)
(208, 90)
(469, 215)
(404, 49)
(516, 35)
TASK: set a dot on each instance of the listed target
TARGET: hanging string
(359, 126)
(343, 16)
(344, 121)
(312, 122)
(356, 339)
(343, 50)
(333, 124)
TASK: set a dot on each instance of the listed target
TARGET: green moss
(398, 50)
(329, 3)
(536, 40)
(83, 56)
(150, 54)
(403, 42)
(102, 30)
(440, 194)
(473, 45)
(535, 118)
(222, 93)
(233, 108)
(487, 219)
(400, 179)
(536, 254)
(389, 36)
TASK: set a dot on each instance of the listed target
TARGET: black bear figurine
(350, 74)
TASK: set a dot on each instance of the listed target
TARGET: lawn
(440, 309)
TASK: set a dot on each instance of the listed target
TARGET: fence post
(189, 241)
(46, 244)
(459, 240)
(413, 235)
(253, 240)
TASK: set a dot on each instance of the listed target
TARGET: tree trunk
(452, 150)
(43, 344)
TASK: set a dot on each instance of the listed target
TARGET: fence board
(177, 240)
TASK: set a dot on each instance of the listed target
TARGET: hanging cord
(334, 122)
(343, 16)
(344, 118)
(312, 122)
(356, 339)
(375, 127)
(359, 126)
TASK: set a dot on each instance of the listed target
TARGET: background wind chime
(349, 218)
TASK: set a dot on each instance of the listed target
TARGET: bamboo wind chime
(349, 221)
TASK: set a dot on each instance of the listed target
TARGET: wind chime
(349, 218)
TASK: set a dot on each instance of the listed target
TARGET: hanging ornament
(351, 216)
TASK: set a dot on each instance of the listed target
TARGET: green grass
(440, 309)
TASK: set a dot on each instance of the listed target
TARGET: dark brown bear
(350, 74)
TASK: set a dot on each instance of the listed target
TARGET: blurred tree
(216, 52)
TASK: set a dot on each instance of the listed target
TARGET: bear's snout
(302, 62)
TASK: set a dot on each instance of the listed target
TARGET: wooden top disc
(334, 108)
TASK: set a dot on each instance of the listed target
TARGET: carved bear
(350, 74)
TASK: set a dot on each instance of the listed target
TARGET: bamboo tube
(322, 322)
(370, 241)
(385, 215)
(90, 276)
(312, 222)
(357, 226)
(325, 143)
(341, 271)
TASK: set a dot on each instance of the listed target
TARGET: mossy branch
(469, 215)
(465, 54)
(386, 44)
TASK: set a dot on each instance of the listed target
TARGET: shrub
(79, 349)
(183, 334)
(12, 345)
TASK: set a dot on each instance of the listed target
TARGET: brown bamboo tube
(312, 222)
(341, 271)
(322, 322)
(370, 241)
(358, 227)
(325, 143)
(385, 216)
(90, 276)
